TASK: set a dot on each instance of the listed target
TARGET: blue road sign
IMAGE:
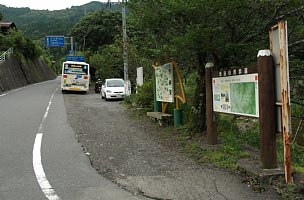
(75, 58)
(54, 41)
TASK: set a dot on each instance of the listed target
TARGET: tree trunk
(199, 117)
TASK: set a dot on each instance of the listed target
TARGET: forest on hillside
(228, 33)
(36, 24)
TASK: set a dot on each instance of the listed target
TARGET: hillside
(36, 24)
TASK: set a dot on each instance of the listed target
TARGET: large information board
(236, 95)
(164, 83)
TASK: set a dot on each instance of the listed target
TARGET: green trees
(97, 29)
(98, 37)
(228, 33)
(23, 47)
(36, 24)
(108, 62)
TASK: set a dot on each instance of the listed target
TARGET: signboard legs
(157, 104)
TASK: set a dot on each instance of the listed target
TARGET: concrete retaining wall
(15, 74)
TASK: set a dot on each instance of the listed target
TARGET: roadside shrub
(144, 96)
(22, 46)
(188, 109)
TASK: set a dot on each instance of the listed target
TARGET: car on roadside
(113, 88)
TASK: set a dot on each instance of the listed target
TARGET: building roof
(6, 25)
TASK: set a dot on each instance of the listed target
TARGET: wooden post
(267, 110)
(285, 92)
(210, 115)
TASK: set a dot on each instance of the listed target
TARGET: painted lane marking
(15, 90)
(2, 95)
(38, 168)
(37, 164)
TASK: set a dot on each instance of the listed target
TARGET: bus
(75, 76)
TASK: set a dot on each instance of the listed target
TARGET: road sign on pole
(54, 41)
(75, 58)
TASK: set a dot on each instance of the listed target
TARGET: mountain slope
(36, 24)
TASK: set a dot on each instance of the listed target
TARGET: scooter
(98, 85)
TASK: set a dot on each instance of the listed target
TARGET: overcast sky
(46, 4)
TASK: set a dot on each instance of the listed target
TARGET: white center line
(37, 164)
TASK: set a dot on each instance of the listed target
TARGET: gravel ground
(132, 152)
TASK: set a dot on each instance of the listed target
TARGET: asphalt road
(39, 155)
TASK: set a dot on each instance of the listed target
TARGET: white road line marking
(37, 164)
(2, 95)
(38, 168)
(15, 90)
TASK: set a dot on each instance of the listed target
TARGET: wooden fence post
(267, 110)
(210, 115)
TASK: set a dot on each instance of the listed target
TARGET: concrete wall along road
(14, 74)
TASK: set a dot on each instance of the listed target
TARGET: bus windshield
(75, 69)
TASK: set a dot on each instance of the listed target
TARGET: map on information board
(164, 83)
(236, 95)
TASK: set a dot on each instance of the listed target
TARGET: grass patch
(297, 155)
(227, 152)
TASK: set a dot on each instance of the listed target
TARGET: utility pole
(125, 49)
(72, 46)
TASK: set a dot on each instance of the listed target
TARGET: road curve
(30, 118)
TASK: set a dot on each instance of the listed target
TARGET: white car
(113, 88)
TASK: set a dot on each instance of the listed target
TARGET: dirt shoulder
(134, 152)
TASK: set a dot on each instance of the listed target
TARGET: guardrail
(6, 54)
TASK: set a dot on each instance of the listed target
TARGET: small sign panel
(236, 95)
(140, 76)
(75, 58)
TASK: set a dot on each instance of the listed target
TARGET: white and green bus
(75, 76)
